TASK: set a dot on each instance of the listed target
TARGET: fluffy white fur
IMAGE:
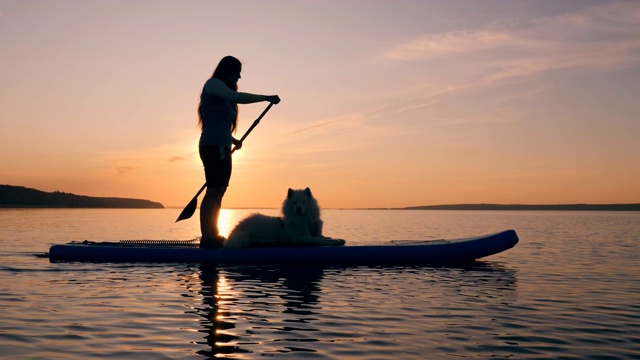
(300, 225)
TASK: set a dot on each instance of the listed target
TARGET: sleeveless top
(217, 115)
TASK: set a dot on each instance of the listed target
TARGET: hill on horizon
(566, 207)
(20, 196)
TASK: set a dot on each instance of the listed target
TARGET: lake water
(569, 290)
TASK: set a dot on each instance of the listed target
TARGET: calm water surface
(569, 290)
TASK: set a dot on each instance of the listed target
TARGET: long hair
(228, 66)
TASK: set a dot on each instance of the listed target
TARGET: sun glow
(225, 222)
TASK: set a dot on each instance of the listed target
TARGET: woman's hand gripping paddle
(188, 211)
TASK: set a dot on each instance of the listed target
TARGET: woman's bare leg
(209, 215)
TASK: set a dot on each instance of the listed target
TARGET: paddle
(188, 211)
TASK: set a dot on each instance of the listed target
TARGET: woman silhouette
(218, 119)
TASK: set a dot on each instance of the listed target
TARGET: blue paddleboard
(399, 252)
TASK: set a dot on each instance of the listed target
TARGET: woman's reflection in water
(213, 323)
(300, 299)
(271, 310)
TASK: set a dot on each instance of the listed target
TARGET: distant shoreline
(520, 207)
(468, 207)
(483, 207)
(20, 197)
(9, 206)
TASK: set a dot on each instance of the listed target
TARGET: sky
(384, 103)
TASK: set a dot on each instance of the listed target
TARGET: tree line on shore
(19, 196)
(565, 207)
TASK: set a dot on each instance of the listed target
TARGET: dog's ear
(289, 193)
(307, 191)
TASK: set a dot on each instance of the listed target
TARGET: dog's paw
(337, 242)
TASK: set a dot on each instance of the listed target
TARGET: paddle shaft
(255, 123)
(188, 211)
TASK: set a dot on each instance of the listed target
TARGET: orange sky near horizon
(384, 103)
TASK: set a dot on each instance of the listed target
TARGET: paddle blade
(188, 211)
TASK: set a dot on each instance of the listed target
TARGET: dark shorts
(217, 165)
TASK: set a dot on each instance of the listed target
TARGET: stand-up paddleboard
(397, 252)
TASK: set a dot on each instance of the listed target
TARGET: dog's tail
(238, 239)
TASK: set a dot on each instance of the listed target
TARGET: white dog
(300, 225)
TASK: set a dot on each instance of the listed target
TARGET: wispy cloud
(452, 43)
(606, 36)
(345, 121)
(596, 38)
(146, 161)
(123, 170)
(179, 158)
(9, 21)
